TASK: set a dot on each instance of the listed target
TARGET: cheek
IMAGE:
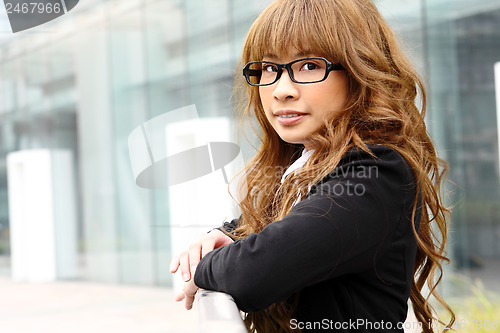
(265, 102)
(264, 93)
(266, 96)
(324, 98)
(342, 88)
(333, 95)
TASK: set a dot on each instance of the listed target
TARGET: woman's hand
(188, 293)
(188, 260)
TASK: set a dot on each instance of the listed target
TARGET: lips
(288, 112)
(289, 117)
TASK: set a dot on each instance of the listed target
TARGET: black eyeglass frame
(330, 66)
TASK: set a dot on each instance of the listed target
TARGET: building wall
(85, 81)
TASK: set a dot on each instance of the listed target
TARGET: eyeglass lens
(303, 71)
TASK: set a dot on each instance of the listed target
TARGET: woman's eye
(309, 66)
(269, 68)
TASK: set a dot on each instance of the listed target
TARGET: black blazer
(348, 248)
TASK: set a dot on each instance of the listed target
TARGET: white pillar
(198, 193)
(497, 93)
(42, 215)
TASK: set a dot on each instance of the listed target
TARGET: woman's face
(295, 110)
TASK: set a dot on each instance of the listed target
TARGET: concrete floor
(83, 307)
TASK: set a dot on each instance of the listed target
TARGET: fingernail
(185, 276)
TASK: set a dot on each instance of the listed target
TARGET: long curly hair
(385, 105)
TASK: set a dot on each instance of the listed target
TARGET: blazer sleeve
(337, 229)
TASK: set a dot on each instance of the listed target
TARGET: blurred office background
(75, 88)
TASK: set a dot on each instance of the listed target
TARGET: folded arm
(335, 230)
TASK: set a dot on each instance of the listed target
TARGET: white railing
(219, 313)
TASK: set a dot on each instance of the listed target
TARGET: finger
(184, 266)
(190, 290)
(189, 302)
(180, 296)
(174, 264)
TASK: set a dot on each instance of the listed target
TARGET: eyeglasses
(306, 70)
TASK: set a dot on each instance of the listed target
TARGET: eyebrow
(273, 56)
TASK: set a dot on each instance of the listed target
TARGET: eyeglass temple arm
(337, 67)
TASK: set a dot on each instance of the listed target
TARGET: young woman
(343, 220)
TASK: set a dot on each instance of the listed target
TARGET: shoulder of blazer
(381, 156)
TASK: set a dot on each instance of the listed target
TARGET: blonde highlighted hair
(381, 108)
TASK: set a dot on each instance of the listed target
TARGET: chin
(291, 140)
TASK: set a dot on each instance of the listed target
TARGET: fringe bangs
(289, 26)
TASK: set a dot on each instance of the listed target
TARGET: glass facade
(82, 83)
(457, 43)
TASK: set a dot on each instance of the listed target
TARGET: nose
(285, 88)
